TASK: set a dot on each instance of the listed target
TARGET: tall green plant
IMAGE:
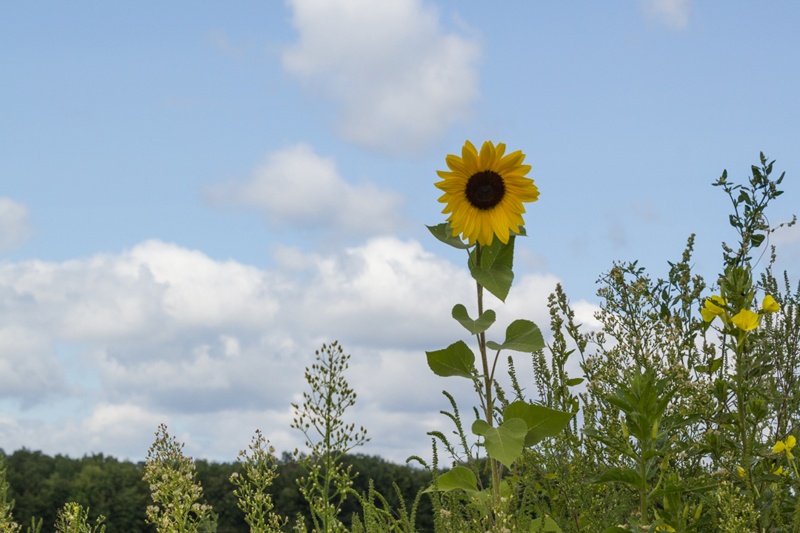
(484, 192)
(259, 466)
(176, 494)
(320, 417)
(718, 377)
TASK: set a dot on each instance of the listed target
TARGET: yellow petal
(487, 156)
(475, 222)
(715, 304)
(770, 305)
(746, 320)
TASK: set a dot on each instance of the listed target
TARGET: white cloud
(786, 235)
(787, 244)
(161, 333)
(399, 78)
(15, 227)
(296, 187)
(29, 370)
(672, 13)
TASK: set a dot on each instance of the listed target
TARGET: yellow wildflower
(713, 307)
(769, 304)
(785, 446)
(746, 320)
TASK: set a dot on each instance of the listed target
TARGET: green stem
(741, 406)
(643, 492)
(487, 380)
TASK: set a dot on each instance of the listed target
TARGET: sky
(195, 196)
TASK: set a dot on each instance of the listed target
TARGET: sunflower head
(484, 192)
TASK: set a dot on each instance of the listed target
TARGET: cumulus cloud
(399, 78)
(15, 226)
(29, 371)
(296, 187)
(672, 13)
(216, 349)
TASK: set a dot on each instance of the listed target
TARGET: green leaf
(505, 442)
(574, 381)
(616, 529)
(495, 272)
(542, 422)
(521, 336)
(455, 360)
(459, 478)
(620, 474)
(548, 526)
(474, 326)
(710, 368)
(444, 233)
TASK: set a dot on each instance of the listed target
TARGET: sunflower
(484, 192)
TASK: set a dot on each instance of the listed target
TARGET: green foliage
(73, 518)
(541, 422)
(7, 523)
(504, 442)
(175, 492)
(455, 360)
(129, 508)
(444, 233)
(328, 438)
(521, 336)
(492, 265)
(474, 326)
(254, 484)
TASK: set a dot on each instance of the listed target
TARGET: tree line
(40, 485)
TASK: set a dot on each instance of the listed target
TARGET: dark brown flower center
(485, 189)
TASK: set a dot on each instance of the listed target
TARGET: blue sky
(195, 196)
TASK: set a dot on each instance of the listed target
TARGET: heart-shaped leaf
(521, 336)
(444, 233)
(495, 272)
(480, 325)
(455, 360)
(459, 478)
(504, 442)
(542, 422)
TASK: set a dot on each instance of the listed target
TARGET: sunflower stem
(488, 377)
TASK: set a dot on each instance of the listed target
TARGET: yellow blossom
(713, 307)
(785, 446)
(746, 320)
(484, 192)
(769, 304)
(741, 472)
